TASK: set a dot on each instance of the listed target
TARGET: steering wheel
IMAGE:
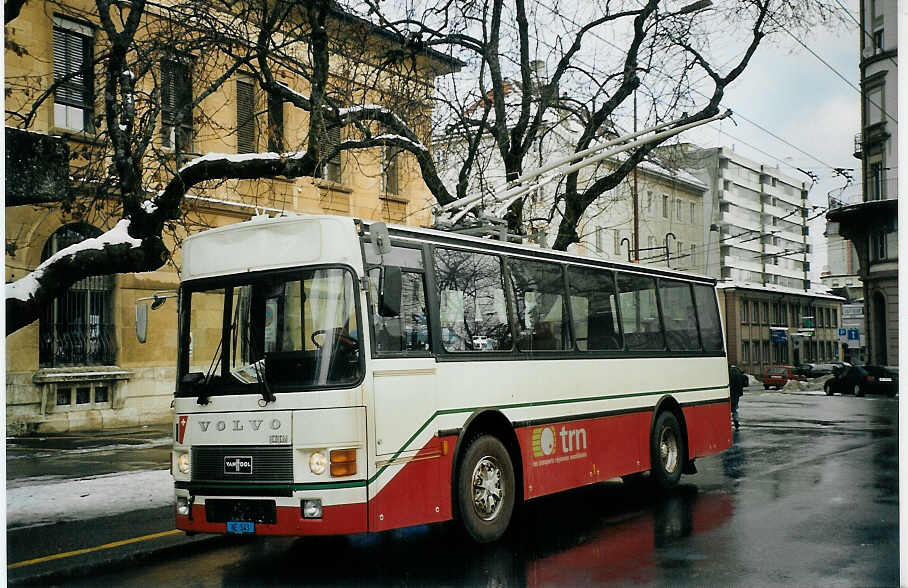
(343, 339)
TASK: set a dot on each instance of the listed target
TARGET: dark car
(815, 370)
(860, 380)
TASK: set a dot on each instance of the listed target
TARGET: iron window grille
(77, 327)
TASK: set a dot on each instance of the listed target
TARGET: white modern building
(756, 230)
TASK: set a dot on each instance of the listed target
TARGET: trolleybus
(338, 376)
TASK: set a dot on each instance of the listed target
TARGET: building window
(176, 105)
(650, 242)
(617, 247)
(755, 317)
(391, 169)
(875, 181)
(878, 248)
(331, 168)
(745, 352)
(693, 254)
(665, 206)
(693, 213)
(765, 313)
(835, 317)
(649, 202)
(74, 75)
(766, 358)
(275, 123)
(744, 317)
(82, 396)
(64, 396)
(877, 41)
(77, 327)
(874, 104)
(678, 205)
(245, 114)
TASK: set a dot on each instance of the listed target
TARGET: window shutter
(275, 123)
(245, 116)
(71, 58)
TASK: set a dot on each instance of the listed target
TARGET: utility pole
(634, 198)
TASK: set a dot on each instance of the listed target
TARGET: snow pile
(46, 502)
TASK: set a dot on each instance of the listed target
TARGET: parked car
(815, 370)
(779, 376)
(860, 380)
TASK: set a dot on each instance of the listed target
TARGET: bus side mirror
(389, 289)
(141, 322)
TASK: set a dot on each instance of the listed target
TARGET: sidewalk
(73, 493)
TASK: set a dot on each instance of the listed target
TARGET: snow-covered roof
(814, 292)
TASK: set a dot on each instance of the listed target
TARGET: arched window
(77, 328)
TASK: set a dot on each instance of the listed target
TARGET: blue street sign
(842, 331)
(854, 335)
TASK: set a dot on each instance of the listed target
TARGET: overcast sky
(791, 93)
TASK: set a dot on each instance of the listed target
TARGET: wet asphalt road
(807, 496)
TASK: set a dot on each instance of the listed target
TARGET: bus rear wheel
(667, 450)
(486, 489)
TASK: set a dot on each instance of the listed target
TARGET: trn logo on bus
(546, 441)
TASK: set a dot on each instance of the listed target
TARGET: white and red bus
(337, 376)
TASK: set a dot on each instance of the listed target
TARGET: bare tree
(537, 63)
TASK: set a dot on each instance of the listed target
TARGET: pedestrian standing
(736, 382)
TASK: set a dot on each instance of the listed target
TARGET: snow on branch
(240, 158)
(25, 288)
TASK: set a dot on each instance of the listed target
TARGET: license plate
(240, 527)
(885, 379)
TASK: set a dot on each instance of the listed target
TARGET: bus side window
(678, 315)
(541, 307)
(594, 309)
(408, 331)
(708, 315)
(472, 310)
(639, 312)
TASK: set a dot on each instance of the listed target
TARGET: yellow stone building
(81, 367)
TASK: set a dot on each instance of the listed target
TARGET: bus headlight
(183, 463)
(182, 506)
(318, 463)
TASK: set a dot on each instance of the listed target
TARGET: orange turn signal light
(343, 462)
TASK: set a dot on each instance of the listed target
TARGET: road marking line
(46, 558)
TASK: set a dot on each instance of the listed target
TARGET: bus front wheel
(486, 489)
(667, 450)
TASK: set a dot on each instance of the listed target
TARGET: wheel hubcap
(668, 449)
(487, 490)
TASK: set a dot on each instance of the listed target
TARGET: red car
(778, 377)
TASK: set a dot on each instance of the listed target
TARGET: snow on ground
(46, 502)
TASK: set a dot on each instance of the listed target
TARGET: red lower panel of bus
(420, 493)
(708, 428)
(569, 454)
(336, 520)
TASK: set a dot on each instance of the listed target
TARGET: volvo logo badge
(238, 464)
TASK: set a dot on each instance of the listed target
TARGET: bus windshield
(288, 330)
